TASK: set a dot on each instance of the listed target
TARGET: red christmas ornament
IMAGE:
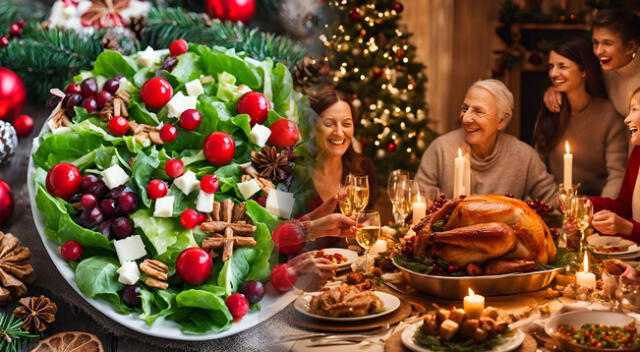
(12, 94)
(392, 147)
(397, 6)
(23, 125)
(231, 10)
(6, 202)
(355, 15)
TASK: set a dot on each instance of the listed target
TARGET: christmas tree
(373, 61)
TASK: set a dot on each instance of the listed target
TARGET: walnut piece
(36, 313)
(156, 273)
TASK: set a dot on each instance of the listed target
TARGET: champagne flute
(393, 183)
(582, 213)
(360, 192)
(367, 233)
(564, 203)
(403, 199)
(346, 199)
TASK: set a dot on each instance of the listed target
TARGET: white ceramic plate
(349, 254)
(510, 343)
(391, 303)
(272, 303)
(631, 250)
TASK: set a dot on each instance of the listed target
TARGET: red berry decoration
(190, 119)
(283, 277)
(4, 41)
(174, 168)
(168, 133)
(190, 219)
(157, 189)
(178, 47)
(71, 250)
(238, 305)
(231, 10)
(12, 94)
(15, 30)
(284, 134)
(289, 238)
(6, 202)
(355, 15)
(156, 93)
(23, 125)
(255, 105)
(219, 148)
(397, 6)
(118, 126)
(194, 266)
(392, 147)
(63, 180)
(209, 183)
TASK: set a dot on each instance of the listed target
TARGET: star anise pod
(15, 269)
(36, 313)
(271, 163)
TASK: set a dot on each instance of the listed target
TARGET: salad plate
(348, 254)
(390, 302)
(510, 343)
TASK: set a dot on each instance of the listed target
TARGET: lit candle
(568, 167)
(585, 278)
(473, 305)
(459, 175)
(419, 209)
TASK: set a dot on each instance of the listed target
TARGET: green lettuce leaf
(201, 311)
(143, 167)
(282, 86)
(155, 305)
(160, 232)
(216, 61)
(188, 68)
(66, 147)
(96, 277)
(110, 63)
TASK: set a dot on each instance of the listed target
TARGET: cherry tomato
(168, 133)
(157, 189)
(284, 133)
(255, 105)
(190, 218)
(238, 305)
(190, 119)
(156, 92)
(118, 126)
(209, 183)
(194, 265)
(289, 238)
(174, 168)
(219, 148)
(178, 47)
(63, 180)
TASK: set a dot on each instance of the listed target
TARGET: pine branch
(166, 25)
(12, 337)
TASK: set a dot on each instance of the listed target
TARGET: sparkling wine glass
(564, 203)
(403, 200)
(367, 232)
(582, 213)
(393, 183)
(360, 192)
(346, 196)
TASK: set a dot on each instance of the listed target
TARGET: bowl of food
(594, 331)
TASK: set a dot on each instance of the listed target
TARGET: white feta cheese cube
(148, 57)
(260, 135)
(248, 188)
(114, 176)
(179, 103)
(129, 273)
(187, 183)
(204, 203)
(280, 203)
(194, 88)
(164, 207)
(130, 248)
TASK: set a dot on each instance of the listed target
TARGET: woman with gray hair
(500, 163)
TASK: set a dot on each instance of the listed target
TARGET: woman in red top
(622, 215)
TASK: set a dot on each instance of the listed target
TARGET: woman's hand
(630, 276)
(313, 272)
(334, 225)
(611, 223)
(553, 99)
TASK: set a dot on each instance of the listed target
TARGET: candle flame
(566, 147)
(585, 263)
(459, 152)
(471, 293)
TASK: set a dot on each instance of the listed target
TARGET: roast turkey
(494, 233)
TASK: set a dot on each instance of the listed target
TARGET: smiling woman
(500, 163)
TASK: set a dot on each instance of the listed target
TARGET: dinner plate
(391, 303)
(631, 250)
(510, 343)
(349, 254)
(272, 303)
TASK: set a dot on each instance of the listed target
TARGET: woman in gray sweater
(500, 163)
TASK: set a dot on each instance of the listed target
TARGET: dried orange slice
(70, 341)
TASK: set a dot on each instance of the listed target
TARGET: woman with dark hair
(335, 156)
(600, 153)
(616, 38)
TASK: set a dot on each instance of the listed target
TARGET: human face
(480, 120)
(565, 74)
(610, 49)
(633, 119)
(335, 129)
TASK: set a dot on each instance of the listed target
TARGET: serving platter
(391, 304)
(272, 303)
(456, 287)
(510, 343)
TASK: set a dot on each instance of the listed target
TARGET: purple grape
(89, 87)
(105, 228)
(75, 198)
(90, 103)
(73, 100)
(108, 207)
(99, 189)
(111, 85)
(88, 201)
(88, 181)
(169, 63)
(117, 192)
(131, 295)
(121, 227)
(91, 218)
(253, 290)
(127, 202)
(52, 102)
(104, 98)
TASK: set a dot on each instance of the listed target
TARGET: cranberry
(194, 265)
(190, 119)
(63, 180)
(238, 305)
(253, 290)
(23, 125)
(90, 103)
(219, 148)
(174, 168)
(168, 133)
(90, 218)
(209, 183)
(104, 98)
(255, 105)
(156, 92)
(157, 189)
(131, 295)
(121, 227)
(71, 250)
(108, 207)
(99, 189)
(178, 47)
(289, 238)
(111, 86)
(283, 277)
(73, 88)
(88, 201)
(118, 126)
(190, 219)
(284, 133)
(127, 202)
(89, 87)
